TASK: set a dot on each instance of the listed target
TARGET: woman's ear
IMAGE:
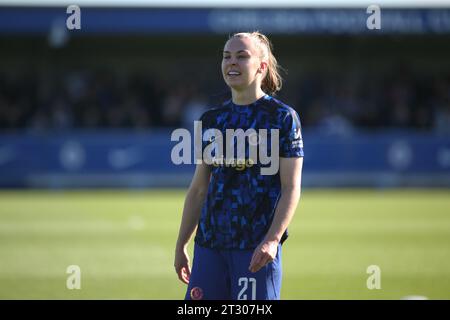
(262, 67)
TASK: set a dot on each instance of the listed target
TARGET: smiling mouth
(233, 73)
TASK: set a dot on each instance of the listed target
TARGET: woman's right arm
(191, 214)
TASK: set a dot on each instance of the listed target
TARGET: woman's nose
(232, 61)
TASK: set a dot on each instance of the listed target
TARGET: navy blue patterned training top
(241, 201)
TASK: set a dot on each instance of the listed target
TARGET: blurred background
(86, 117)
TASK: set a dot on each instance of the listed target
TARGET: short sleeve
(291, 140)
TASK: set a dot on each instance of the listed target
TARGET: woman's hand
(181, 264)
(263, 254)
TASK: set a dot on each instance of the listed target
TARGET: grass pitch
(123, 241)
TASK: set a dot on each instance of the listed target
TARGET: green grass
(123, 242)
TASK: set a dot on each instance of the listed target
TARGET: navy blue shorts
(224, 275)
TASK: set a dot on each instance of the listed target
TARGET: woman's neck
(246, 97)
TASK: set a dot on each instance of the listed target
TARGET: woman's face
(241, 64)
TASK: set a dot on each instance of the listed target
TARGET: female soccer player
(241, 215)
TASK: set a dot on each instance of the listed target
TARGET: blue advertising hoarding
(42, 20)
(123, 159)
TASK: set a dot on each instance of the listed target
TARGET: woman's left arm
(290, 176)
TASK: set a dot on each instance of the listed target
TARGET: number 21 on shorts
(243, 283)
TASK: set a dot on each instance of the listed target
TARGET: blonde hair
(273, 81)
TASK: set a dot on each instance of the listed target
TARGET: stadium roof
(233, 3)
(181, 16)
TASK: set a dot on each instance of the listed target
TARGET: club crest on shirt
(196, 293)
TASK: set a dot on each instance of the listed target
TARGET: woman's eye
(239, 57)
